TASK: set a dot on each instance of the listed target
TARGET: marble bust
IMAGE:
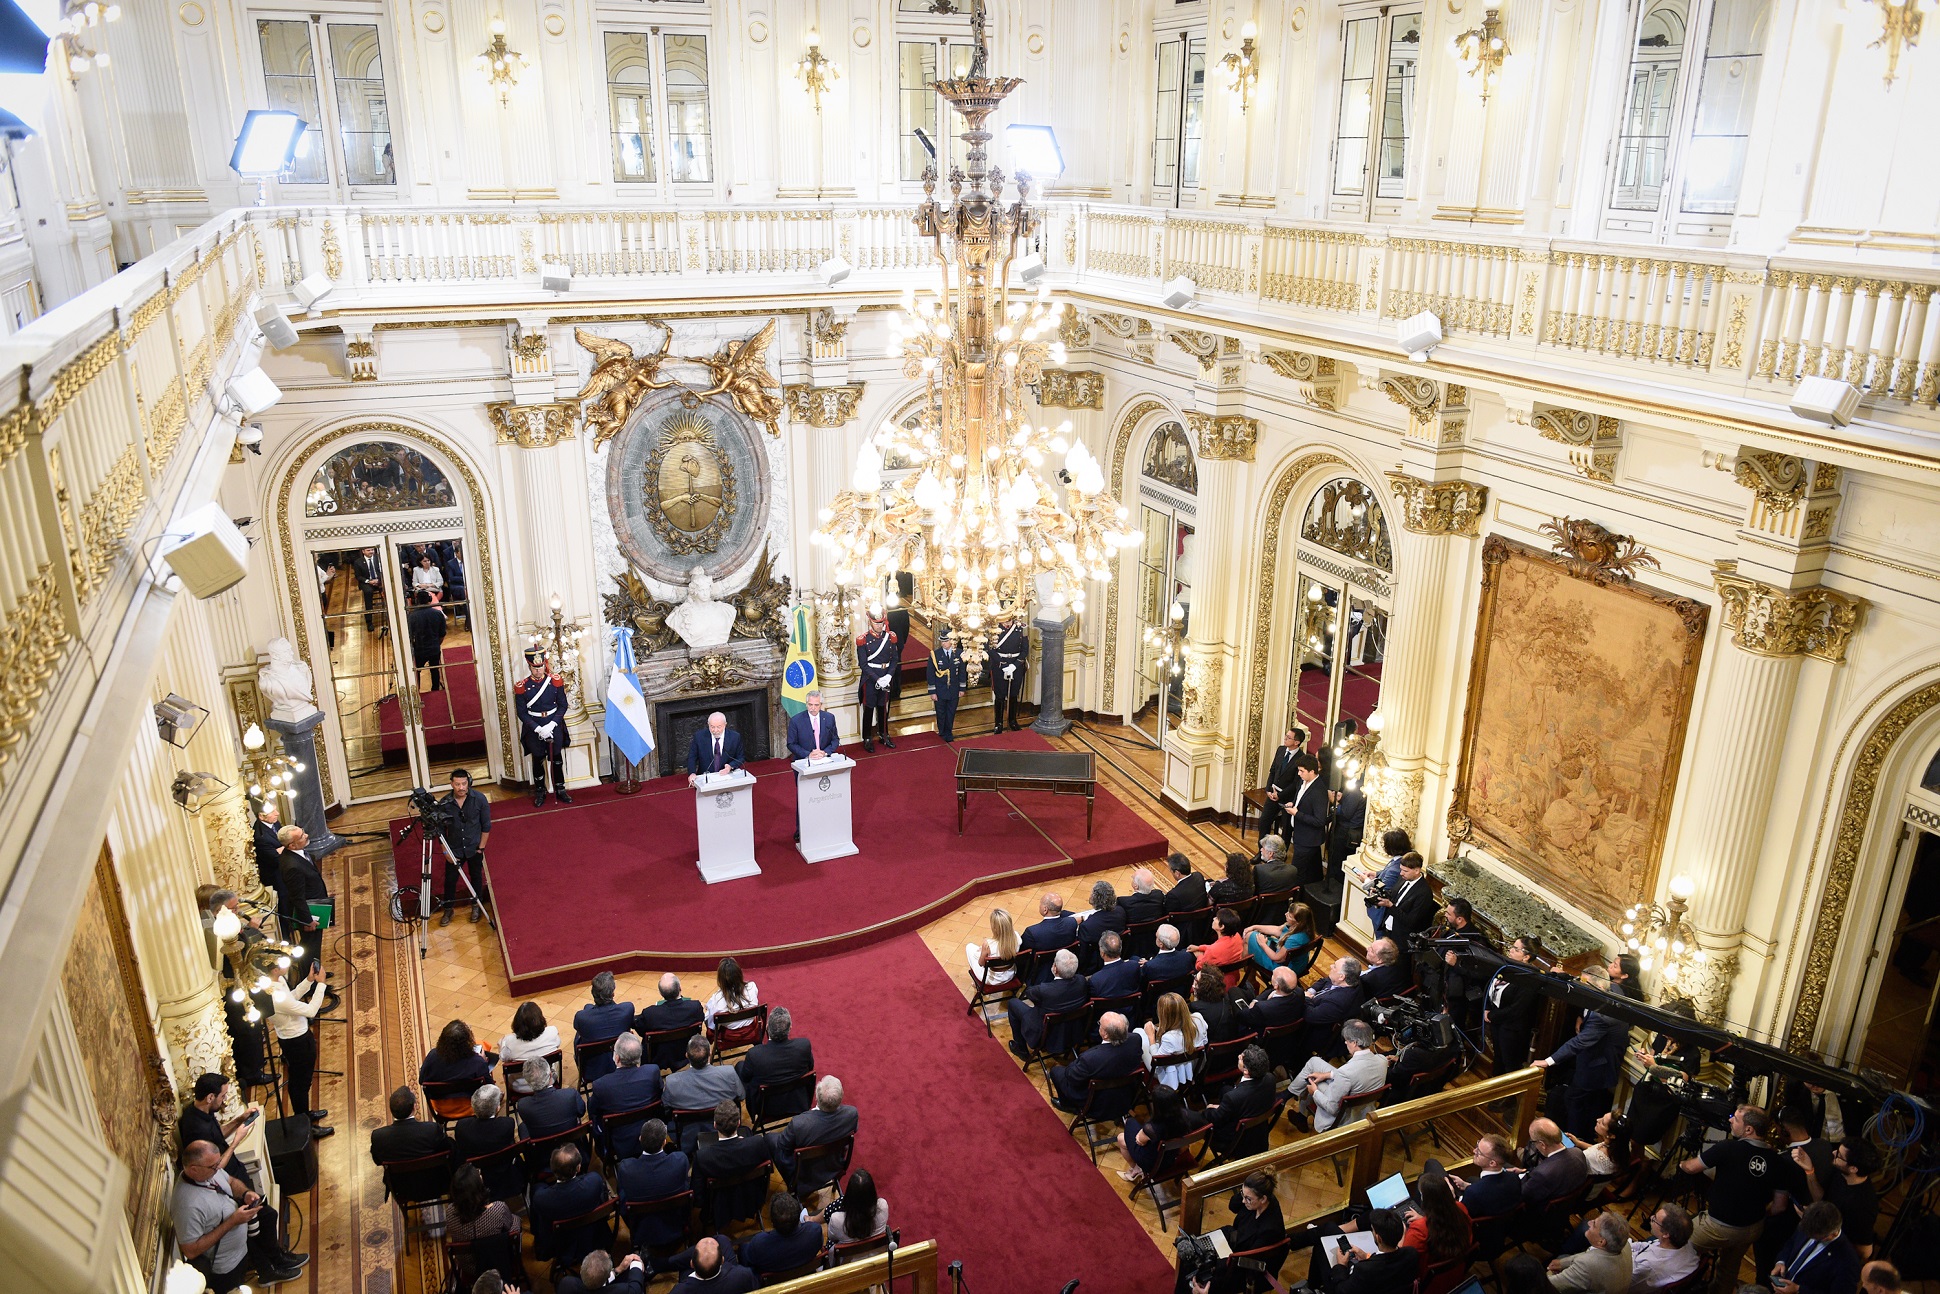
(699, 619)
(287, 683)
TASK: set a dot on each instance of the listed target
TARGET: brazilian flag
(798, 672)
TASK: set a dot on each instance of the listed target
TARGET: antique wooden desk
(1060, 772)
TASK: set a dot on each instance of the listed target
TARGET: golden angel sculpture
(618, 381)
(740, 370)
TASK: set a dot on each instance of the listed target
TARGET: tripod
(426, 903)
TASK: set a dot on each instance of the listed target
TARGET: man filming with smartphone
(199, 1122)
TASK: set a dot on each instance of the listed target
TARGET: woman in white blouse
(426, 575)
(290, 1022)
(733, 992)
(1001, 946)
(530, 1039)
(1166, 1036)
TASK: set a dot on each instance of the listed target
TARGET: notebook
(1388, 1193)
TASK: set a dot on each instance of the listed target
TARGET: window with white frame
(659, 77)
(300, 56)
(920, 107)
(1178, 113)
(1374, 125)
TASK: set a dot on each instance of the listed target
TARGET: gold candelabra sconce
(501, 64)
(1167, 644)
(269, 774)
(70, 33)
(1661, 935)
(1900, 23)
(817, 72)
(1242, 66)
(1483, 49)
(559, 644)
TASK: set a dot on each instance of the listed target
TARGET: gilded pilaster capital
(1439, 507)
(1232, 437)
(822, 406)
(1770, 621)
(532, 426)
(1071, 388)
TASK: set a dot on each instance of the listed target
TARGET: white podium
(822, 801)
(724, 818)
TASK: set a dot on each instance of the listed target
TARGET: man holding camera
(224, 1228)
(471, 826)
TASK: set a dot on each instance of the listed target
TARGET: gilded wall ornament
(1199, 698)
(532, 426)
(634, 606)
(618, 381)
(1073, 331)
(1317, 376)
(714, 672)
(689, 490)
(1778, 480)
(828, 331)
(1770, 621)
(1345, 516)
(761, 605)
(1202, 346)
(1420, 396)
(1594, 553)
(1225, 437)
(1439, 507)
(1071, 388)
(740, 370)
(1168, 459)
(1593, 438)
(822, 406)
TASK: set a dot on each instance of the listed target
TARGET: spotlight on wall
(267, 143)
(1178, 293)
(209, 553)
(554, 277)
(834, 270)
(312, 290)
(1419, 334)
(251, 437)
(194, 791)
(278, 331)
(252, 392)
(177, 718)
(1825, 399)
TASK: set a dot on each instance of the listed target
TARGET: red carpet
(633, 857)
(453, 719)
(996, 1179)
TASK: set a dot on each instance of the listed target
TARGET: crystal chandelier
(988, 521)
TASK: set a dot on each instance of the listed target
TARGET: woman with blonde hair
(1167, 1035)
(1001, 946)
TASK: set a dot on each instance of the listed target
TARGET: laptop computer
(1388, 1193)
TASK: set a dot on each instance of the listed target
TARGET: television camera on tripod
(437, 826)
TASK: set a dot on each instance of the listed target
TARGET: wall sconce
(1660, 934)
(75, 53)
(816, 73)
(1482, 49)
(1243, 66)
(501, 64)
(1900, 22)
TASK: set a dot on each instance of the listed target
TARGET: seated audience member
(603, 1021)
(672, 1011)
(1188, 892)
(1115, 1056)
(1271, 946)
(1144, 903)
(406, 1136)
(1387, 974)
(1438, 1226)
(1117, 975)
(1387, 1267)
(1055, 929)
(570, 1194)
(1226, 949)
(476, 1215)
(828, 1122)
(457, 1058)
(1001, 946)
(1066, 990)
(1105, 915)
(1171, 962)
(546, 1109)
(728, 1150)
(658, 1172)
(1211, 1003)
(1235, 887)
(1609, 1154)
(1334, 1001)
(1603, 1268)
(1139, 1143)
(1274, 873)
(1282, 1005)
(1256, 1224)
(733, 991)
(714, 1271)
(485, 1130)
(1525, 1274)
(789, 1243)
(782, 1057)
(598, 1272)
(1665, 1257)
(631, 1086)
(199, 1122)
(1251, 1096)
(1559, 1167)
(1817, 1259)
(531, 1039)
(1879, 1277)
(1325, 1090)
(1495, 1189)
(860, 1213)
(1167, 1035)
(225, 1229)
(700, 1086)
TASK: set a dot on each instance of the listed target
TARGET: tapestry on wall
(1578, 699)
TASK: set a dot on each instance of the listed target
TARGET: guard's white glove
(883, 682)
(545, 730)
(1010, 671)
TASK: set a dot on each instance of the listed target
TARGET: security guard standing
(1010, 652)
(949, 678)
(541, 703)
(879, 655)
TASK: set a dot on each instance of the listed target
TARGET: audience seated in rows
(1211, 1003)
(1325, 1090)
(1272, 946)
(1251, 1096)
(531, 1038)
(1665, 1256)
(660, 1171)
(829, 1122)
(1283, 1005)
(1334, 1002)
(599, 1272)
(1167, 1035)
(1496, 1189)
(792, 1240)
(1188, 892)
(546, 1109)
(1376, 1261)
(630, 1085)
(1235, 888)
(733, 991)
(1139, 1143)
(672, 1011)
(1386, 974)
(1115, 1056)
(1105, 915)
(1602, 1268)
(1055, 928)
(1001, 946)
(601, 1020)
(1145, 903)
(406, 1137)
(1274, 873)
(476, 1215)
(1439, 1228)
(782, 1057)
(1066, 990)
(714, 1271)
(571, 1193)
(1226, 949)
(1559, 1168)
(728, 1150)
(700, 1086)
(859, 1212)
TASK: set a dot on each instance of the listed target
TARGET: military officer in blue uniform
(541, 702)
(879, 655)
(1010, 651)
(949, 677)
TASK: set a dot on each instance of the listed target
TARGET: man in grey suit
(1324, 1088)
(1603, 1268)
(829, 1121)
(700, 1086)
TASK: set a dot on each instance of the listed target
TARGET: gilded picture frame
(1578, 705)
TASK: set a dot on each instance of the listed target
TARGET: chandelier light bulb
(226, 924)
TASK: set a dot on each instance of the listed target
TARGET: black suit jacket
(1412, 913)
(297, 882)
(1598, 1049)
(662, 1015)
(655, 1177)
(1310, 815)
(1141, 908)
(474, 1136)
(1243, 1100)
(1050, 934)
(1269, 1011)
(631, 1281)
(1386, 981)
(1034, 1003)
(1187, 895)
(1520, 1002)
(1393, 1272)
(1116, 979)
(1281, 776)
(767, 1252)
(558, 1201)
(1555, 1176)
(1335, 1003)
(1093, 927)
(269, 862)
(1167, 965)
(1832, 1270)
(700, 755)
(773, 1062)
(553, 1110)
(1493, 1196)
(730, 1157)
(1106, 1060)
(407, 1139)
(1271, 878)
(623, 1089)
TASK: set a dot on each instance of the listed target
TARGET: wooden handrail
(1361, 1140)
(917, 1261)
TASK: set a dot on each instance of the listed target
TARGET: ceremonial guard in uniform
(541, 702)
(1010, 651)
(949, 679)
(879, 655)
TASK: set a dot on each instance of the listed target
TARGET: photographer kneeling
(467, 832)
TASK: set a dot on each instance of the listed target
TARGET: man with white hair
(778, 1060)
(671, 1012)
(546, 1109)
(1117, 1055)
(1386, 974)
(630, 1086)
(717, 750)
(1145, 903)
(1325, 1089)
(1066, 991)
(1172, 962)
(828, 1122)
(1273, 874)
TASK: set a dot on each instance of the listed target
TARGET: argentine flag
(798, 671)
(626, 705)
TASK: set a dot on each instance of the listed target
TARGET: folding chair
(604, 1126)
(718, 1193)
(983, 992)
(1272, 1257)
(1178, 1158)
(1126, 1006)
(418, 1184)
(737, 1031)
(448, 1102)
(1353, 1111)
(1142, 938)
(1108, 1101)
(1251, 1136)
(537, 1151)
(1195, 926)
(829, 1160)
(678, 1206)
(849, 1250)
(566, 1232)
(776, 1103)
(1221, 1066)
(1057, 1041)
(667, 1048)
(465, 1260)
(1272, 906)
(593, 1059)
(503, 1170)
(1149, 1007)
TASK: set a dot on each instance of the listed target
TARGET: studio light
(177, 718)
(1034, 151)
(252, 392)
(193, 791)
(267, 143)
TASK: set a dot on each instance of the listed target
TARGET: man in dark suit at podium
(716, 750)
(811, 736)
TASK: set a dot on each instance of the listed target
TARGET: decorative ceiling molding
(1593, 438)
(1317, 379)
(1071, 388)
(1228, 437)
(533, 426)
(1439, 507)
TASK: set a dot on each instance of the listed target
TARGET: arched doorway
(1344, 569)
(391, 596)
(1168, 487)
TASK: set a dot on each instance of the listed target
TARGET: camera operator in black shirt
(471, 827)
(1746, 1173)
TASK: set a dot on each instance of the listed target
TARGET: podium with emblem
(724, 820)
(822, 796)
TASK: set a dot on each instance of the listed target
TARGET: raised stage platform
(609, 882)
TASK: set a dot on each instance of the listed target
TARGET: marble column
(299, 737)
(1050, 720)
(1432, 516)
